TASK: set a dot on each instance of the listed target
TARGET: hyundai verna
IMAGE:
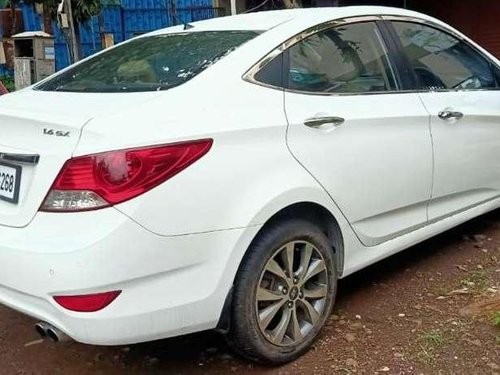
(225, 174)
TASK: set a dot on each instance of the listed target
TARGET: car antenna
(186, 25)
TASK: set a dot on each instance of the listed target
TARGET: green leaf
(496, 319)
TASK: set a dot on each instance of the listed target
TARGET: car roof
(266, 20)
(278, 26)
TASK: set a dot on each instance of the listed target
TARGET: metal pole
(74, 42)
(173, 13)
(233, 7)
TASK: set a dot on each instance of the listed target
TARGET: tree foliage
(83, 10)
(8, 83)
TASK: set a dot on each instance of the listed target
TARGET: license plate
(10, 180)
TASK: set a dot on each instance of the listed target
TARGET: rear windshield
(149, 63)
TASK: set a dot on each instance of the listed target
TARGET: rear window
(149, 63)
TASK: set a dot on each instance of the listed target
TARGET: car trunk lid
(38, 133)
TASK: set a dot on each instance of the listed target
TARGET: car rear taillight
(87, 302)
(105, 179)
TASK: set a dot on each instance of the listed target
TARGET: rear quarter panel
(247, 176)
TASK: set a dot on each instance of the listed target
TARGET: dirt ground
(427, 310)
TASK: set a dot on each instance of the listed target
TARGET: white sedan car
(225, 174)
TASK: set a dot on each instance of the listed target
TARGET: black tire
(246, 335)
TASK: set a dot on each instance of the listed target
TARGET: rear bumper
(170, 285)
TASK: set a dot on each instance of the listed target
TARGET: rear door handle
(319, 122)
(450, 115)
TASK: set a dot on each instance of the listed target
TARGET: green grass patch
(476, 281)
(429, 343)
(8, 82)
(496, 319)
(433, 338)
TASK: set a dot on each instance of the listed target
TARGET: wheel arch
(316, 214)
(310, 211)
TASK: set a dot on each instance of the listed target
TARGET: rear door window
(344, 59)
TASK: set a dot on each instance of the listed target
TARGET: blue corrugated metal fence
(130, 18)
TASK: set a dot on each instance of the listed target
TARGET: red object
(3, 89)
(118, 176)
(7, 23)
(87, 302)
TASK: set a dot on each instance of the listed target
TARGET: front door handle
(319, 122)
(450, 115)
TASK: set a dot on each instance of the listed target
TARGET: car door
(460, 90)
(366, 143)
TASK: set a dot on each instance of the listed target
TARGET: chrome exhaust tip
(42, 328)
(57, 335)
(48, 330)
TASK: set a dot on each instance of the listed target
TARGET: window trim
(391, 43)
(250, 74)
(399, 64)
(388, 19)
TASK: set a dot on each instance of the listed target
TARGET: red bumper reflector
(87, 302)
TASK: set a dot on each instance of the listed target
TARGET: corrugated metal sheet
(61, 48)
(32, 21)
(3, 70)
(132, 18)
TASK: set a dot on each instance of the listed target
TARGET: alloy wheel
(291, 294)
